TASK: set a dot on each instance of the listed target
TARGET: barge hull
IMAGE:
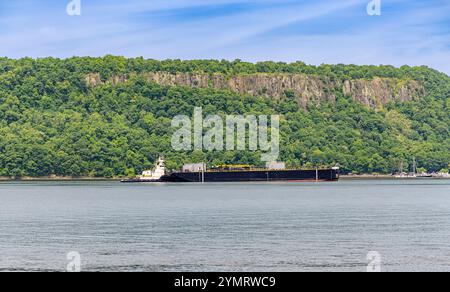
(255, 176)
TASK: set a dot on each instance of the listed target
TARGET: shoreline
(118, 179)
(51, 178)
(387, 177)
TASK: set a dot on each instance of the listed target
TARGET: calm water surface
(226, 227)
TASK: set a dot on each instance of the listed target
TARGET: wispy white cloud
(325, 31)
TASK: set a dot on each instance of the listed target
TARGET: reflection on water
(225, 227)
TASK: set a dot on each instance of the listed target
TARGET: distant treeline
(52, 122)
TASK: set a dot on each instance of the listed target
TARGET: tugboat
(154, 175)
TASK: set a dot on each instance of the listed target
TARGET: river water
(226, 227)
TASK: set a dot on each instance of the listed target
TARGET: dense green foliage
(52, 122)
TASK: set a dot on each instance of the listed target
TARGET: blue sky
(411, 32)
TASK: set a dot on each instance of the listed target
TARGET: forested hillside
(111, 116)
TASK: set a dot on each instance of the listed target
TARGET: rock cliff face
(381, 91)
(305, 88)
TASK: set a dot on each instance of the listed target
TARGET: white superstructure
(155, 174)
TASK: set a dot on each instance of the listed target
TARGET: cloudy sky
(413, 32)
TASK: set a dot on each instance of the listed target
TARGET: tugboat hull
(137, 180)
